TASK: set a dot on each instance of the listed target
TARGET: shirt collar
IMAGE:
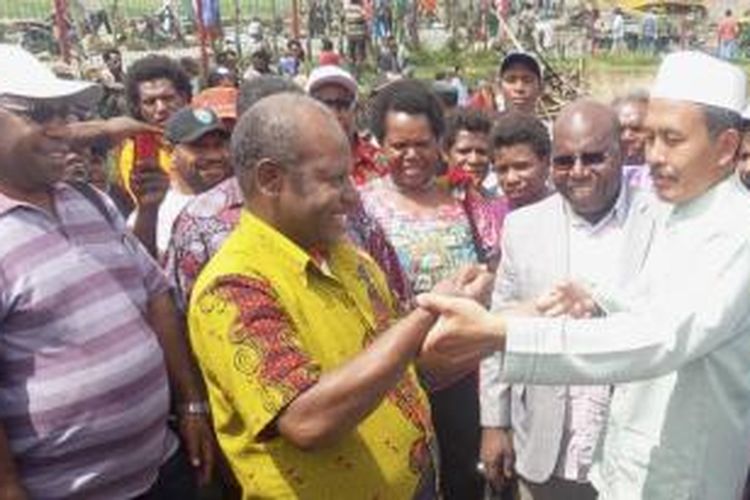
(7, 203)
(300, 259)
(702, 202)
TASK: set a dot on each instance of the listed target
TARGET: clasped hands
(467, 330)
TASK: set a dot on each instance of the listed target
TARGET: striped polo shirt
(83, 385)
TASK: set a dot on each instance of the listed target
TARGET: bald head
(586, 159)
(283, 128)
(586, 116)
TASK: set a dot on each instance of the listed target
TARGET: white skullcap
(697, 77)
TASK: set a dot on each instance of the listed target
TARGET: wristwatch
(195, 408)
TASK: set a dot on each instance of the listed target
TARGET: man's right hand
(465, 327)
(498, 457)
(149, 184)
(13, 491)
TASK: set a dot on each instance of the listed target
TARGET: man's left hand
(568, 299)
(200, 443)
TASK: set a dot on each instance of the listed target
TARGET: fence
(76, 29)
(42, 9)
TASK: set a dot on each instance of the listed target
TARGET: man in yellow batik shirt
(310, 378)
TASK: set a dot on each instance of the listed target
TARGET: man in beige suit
(595, 229)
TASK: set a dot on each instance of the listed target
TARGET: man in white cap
(90, 341)
(743, 166)
(337, 89)
(677, 345)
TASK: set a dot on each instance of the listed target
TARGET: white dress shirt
(594, 250)
(679, 347)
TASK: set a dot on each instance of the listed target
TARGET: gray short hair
(271, 130)
(720, 119)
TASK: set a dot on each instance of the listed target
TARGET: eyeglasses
(338, 104)
(588, 160)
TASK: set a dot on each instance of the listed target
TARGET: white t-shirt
(173, 203)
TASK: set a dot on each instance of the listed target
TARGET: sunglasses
(338, 104)
(588, 160)
(42, 112)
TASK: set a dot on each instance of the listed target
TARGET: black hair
(217, 74)
(154, 67)
(107, 53)
(471, 120)
(411, 97)
(513, 128)
(255, 89)
(720, 119)
(326, 44)
(637, 96)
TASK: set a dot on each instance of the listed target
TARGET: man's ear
(728, 147)
(269, 177)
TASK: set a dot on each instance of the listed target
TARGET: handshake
(467, 331)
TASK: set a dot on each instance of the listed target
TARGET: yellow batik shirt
(265, 322)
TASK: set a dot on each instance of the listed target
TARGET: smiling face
(32, 155)
(204, 162)
(317, 193)
(685, 161)
(586, 161)
(412, 149)
(470, 152)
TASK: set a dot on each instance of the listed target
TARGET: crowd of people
(248, 287)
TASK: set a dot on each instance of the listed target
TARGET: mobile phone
(146, 148)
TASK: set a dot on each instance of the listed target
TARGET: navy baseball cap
(190, 124)
(524, 58)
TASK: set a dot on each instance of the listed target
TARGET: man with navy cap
(200, 160)
(676, 343)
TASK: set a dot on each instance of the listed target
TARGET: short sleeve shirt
(83, 388)
(266, 322)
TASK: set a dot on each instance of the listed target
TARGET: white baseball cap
(331, 74)
(697, 77)
(24, 76)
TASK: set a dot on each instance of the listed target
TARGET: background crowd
(210, 285)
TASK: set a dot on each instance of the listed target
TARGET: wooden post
(237, 27)
(202, 37)
(61, 23)
(295, 19)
